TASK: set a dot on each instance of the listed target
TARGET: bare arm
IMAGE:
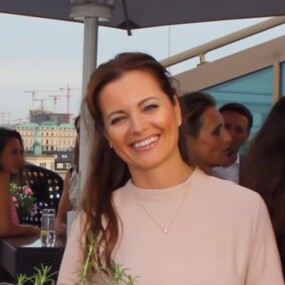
(73, 258)
(64, 206)
(7, 228)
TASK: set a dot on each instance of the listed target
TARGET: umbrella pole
(86, 125)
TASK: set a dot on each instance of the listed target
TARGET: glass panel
(255, 90)
(283, 79)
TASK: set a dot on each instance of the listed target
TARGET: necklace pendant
(165, 231)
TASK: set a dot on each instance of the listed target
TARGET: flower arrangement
(23, 199)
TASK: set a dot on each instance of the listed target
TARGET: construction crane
(68, 89)
(34, 92)
(42, 101)
(55, 98)
(3, 114)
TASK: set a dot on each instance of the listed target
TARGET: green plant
(42, 276)
(115, 275)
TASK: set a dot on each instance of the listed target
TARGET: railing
(223, 41)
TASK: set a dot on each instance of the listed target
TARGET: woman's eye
(217, 132)
(117, 120)
(150, 107)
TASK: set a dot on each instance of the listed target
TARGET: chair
(47, 187)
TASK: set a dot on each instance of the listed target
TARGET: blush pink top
(220, 235)
(14, 215)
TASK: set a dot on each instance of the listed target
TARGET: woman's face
(140, 121)
(12, 156)
(212, 145)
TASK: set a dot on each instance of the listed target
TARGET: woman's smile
(146, 144)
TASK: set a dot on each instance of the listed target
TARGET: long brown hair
(108, 171)
(5, 136)
(264, 166)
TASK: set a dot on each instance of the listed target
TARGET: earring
(110, 145)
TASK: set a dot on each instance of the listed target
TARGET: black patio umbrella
(150, 13)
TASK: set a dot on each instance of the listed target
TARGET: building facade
(41, 116)
(52, 137)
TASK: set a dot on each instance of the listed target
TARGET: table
(22, 254)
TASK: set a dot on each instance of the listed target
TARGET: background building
(52, 137)
(48, 144)
(41, 116)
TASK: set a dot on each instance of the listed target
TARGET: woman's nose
(138, 124)
(20, 156)
(227, 137)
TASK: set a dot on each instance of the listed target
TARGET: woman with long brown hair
(11, 164)
(147, 207)
(264, 170)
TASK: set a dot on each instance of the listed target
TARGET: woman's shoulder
(225, 190)
(121, 192)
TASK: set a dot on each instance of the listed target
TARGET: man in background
(238, 122)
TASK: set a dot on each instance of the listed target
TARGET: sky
(46, 55)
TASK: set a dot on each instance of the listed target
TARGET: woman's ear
(108, 139)
(106, 136)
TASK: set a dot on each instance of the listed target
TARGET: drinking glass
(48, 235)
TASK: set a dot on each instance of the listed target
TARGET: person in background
(147, 207)
(69, 200)
(238, 122)
(208, 141)
(11, 163)
(264, 170)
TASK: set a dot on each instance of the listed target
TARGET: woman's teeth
(145, 143)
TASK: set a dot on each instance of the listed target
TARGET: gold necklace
(164, 229)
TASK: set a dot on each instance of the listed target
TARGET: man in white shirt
(238, 122)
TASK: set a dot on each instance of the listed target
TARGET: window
(42, 164)
(255, 90)
(60, 165)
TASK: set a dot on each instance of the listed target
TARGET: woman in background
(11, 163)
(70, 196)
(149, 210)
(208, 140)
(264, 170)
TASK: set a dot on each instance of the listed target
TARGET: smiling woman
(137, 125)
(147, 207)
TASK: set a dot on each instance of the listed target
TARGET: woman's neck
(160, 178)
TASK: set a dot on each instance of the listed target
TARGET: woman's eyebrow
(147, 99)
(117, 112)
(217, 127)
